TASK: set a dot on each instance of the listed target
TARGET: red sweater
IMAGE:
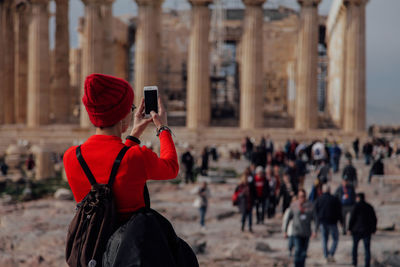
(138, 165)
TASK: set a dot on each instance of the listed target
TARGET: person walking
(362, 225)
(187, 160)
(368, 148)
(347, 197)
(203, 195)
(109, 103)
(261, 187)
(356, 147)
(289, 230)
(204, 161)
(286, 192)
(245, 201)
(350, 173)
(335, 153)
(377, 168)
(273, 187)
(301, 212)
(328, 214)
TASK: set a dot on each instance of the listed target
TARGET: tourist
(377, 168)
(273, 186)
(188, 161)
(318, 153)
(324, 173)
(286, 193)
(292, 173)
(367, 151)
(335, 153)
(301, 168)
(350, 173)
(245, 201)
(288, 230)
(269, 146)
(247, 147)
(203, 194)
(362, 225)
(328, 214)
(109, 104)
(3, 167)
(259, 157)
(204, 161)
(347, 197)
(214, 153)
(30, 163)
(356, 147)
(261, 186)
(301, 212)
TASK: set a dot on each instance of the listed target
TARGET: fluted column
(198, 84)
(60, 90)
(251, 96)
(21, 60)
(306, 116)
(108, 51)
(355, 98)
(92, 49)
(38, 65)
(147, 46)
(7, 47)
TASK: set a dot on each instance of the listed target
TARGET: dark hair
(361, 196)
(302, 190)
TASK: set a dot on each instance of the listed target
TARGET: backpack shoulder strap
(84, 166)
(116, 164)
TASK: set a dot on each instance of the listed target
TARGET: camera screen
(150, 101)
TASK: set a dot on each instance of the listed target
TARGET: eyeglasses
(133, 107)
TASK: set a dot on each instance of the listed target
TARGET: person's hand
(159, 118)
(285, 235)
(139, 121)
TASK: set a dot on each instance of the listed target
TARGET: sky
(382, 37)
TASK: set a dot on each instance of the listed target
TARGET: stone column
(44, 167)
(7, 69)
(306, 116)
(108, 52)
(21, 60)
(147, 46)
(38, 65)
(92, 50)
(198, 84)
(354, 119)
(121, 48)
(60, 94)
(251, 96)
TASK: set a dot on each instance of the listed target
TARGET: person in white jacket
(289, 230)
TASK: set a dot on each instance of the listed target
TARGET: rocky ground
(33, 233)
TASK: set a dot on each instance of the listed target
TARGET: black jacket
(147, 240)
(328, 209)
(363, 219)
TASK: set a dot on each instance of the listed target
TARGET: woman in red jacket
(109, 104)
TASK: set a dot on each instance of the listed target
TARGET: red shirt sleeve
(130, 143)
(164, 167)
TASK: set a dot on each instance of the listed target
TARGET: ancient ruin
(247, 69)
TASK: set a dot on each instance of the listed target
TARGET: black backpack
(95, 220)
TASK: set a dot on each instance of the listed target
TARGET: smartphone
(150, 99)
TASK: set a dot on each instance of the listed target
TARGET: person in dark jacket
(259, 157)
(367, 151)
(356, 147)
(188, 161)
(347, 196)
(350, 173)
(204, 161)
(377, 168)
(362, 225)
(245, 200)
(328, 213)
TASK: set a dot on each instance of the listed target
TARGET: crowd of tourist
(277, 177)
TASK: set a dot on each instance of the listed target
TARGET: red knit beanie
(107, 99)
